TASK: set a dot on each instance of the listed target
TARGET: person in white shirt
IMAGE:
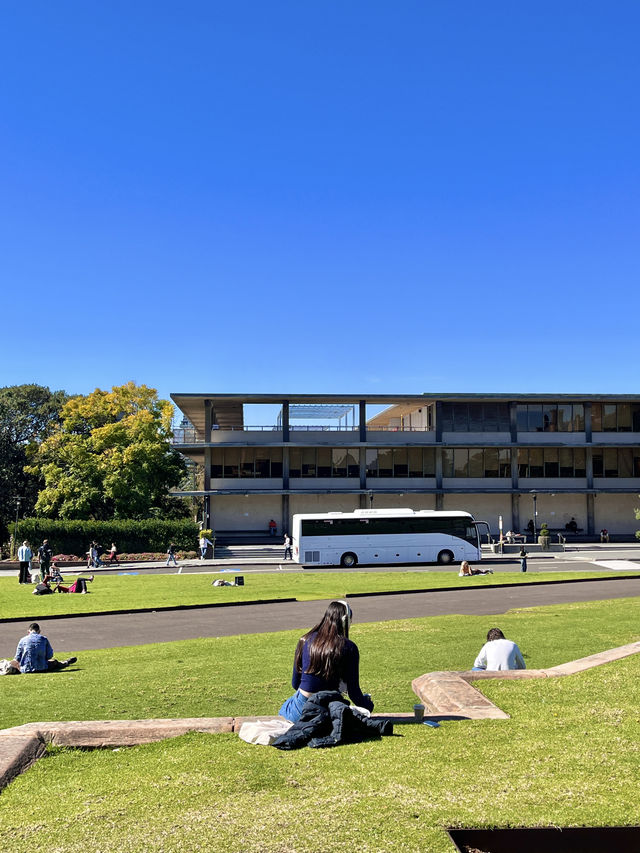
(24, 558)
(204, 543)
(499, 653)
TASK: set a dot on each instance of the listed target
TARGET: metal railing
(189, 436)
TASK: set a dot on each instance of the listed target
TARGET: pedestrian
(523, 559)
(203, 544)
(34, 653)
(45, 555)
(24, 558)
(113, 555)
(604, 535)
(171, 555)
(499, 653)
(287, 547)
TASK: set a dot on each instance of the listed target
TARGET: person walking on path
(287, 547)
(171, 555)
(113, 555)
(203, 545)
(523, 559)
(34, 653)
(499, 653)
(45, 555)
(24, 558)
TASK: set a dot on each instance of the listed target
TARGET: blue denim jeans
(291, 708)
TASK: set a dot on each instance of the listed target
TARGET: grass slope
(132, 591)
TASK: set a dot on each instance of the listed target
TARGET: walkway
(95, 632)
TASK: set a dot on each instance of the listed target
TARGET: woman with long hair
(326, 659)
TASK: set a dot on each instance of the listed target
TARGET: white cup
(418, 712)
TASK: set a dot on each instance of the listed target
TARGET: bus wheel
(348, 560)
(445, 557)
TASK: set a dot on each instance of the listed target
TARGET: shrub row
(136, 536)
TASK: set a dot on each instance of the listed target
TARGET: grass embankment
(136, 591)
(568, 755)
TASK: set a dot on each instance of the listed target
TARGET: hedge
(73, 537)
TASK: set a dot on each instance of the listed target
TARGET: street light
(17, 499)
(535, 514)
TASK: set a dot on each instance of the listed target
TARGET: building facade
(552, 457)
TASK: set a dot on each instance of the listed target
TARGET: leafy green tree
(110, 458)
(28, 413)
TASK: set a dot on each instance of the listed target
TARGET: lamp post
(17, 499)
(535, 515)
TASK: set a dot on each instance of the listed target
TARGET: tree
(28, 413)
(110, 458)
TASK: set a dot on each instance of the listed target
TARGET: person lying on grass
(79, 585)
(499, 653)
(34, 653)
(325, 657)
(466, 571)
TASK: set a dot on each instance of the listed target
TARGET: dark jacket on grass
(328, 720)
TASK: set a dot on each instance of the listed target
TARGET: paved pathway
(95, 632)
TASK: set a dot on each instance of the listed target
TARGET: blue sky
(316, 197)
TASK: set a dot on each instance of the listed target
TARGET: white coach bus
(382, 536)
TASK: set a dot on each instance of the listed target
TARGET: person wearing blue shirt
(326, 659)
(34, 653)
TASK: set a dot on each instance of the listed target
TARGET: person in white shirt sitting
(499, 653)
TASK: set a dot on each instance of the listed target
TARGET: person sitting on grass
(34, 653)
(325, 658)
(499, 653)
(466, 571)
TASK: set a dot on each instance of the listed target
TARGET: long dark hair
(325, 651)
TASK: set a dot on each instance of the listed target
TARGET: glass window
(504, 462)
(535, 422)
(490, 417)
(636, 461)
(579, 462)
(625, 462)
(247, 456)
(276, 461)
(385, 462)
(598, 464)
(565, 461)
(578, 417)
(323, 466)
(295, 462)
(415, 462)
(536, 468)
(491, 462)
(429, 461)
(447, 417)
(635, 417)
(400, 462)
(353, 463)
(447, 462)
(372, 462)
(596, 417)
(262, 463)
(522, 417)
(523, 462)
(216, 462)
(504, 421)
(308, 462)
(551, 465)
(565, 417)
(339, 462)
(461, 417)
(231, 462)
(609, 422)
(476, 462)
(460, 462)
(610, 462)
(624, 417)
(475, 417)
(550, 417)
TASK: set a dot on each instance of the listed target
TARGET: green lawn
(568, 755)
(133, 591)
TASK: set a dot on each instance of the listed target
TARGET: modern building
(552, 458)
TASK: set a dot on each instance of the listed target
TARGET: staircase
(250, 553)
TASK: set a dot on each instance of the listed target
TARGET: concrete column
(285, 420)
(589, 466)
(207, 512)
(514, 468)
(438, 421)
(513, 421)
(285, 524)
(588, 429)
(362, 459)
(362, 420)
(208, 415)
(515, 512)
(207, 469)
(439, 501)
(591, 515)
(285, 467)
(364, 502)
(438, 467)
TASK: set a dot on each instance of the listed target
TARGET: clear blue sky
(306, 196)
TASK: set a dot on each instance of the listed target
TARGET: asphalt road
(94, 632)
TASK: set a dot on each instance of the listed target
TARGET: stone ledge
(17, 754)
